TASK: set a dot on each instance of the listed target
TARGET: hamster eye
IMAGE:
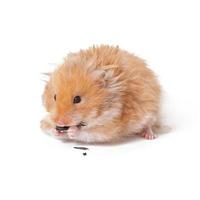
(54, 97)
(77, 99)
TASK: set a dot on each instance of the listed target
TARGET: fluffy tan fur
(120, 95)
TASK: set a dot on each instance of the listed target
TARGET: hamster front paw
(45, 125)
(73, 132)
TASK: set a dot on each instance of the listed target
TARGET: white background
(35, 166)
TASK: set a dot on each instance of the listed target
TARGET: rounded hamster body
(101, 94)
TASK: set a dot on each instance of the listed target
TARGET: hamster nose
(62, 128)
(60, 122)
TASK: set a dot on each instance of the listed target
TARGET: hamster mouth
(64, 129)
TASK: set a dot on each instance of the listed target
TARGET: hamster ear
(105, 75)
(46, 76)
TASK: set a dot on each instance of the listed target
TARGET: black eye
(54, 97)
(77, 99)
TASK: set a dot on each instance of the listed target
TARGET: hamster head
(75, 96)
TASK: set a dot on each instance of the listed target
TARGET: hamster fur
(119, 97)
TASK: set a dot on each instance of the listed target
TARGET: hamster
(102, 94)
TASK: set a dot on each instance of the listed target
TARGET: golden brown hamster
(101, 94)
